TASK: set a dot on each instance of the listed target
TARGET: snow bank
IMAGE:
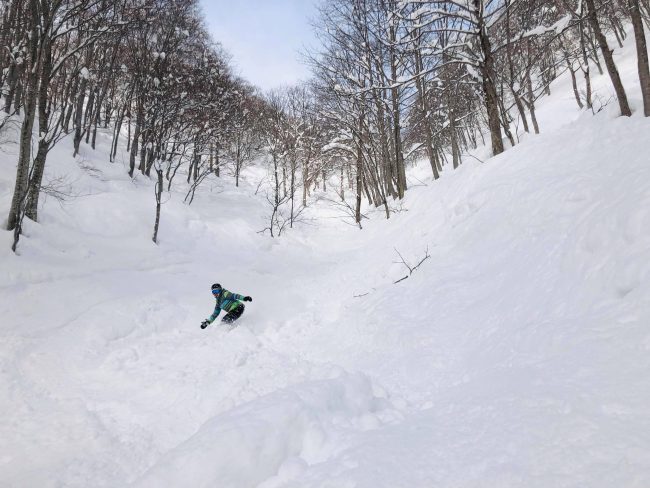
(284, 432)
(521, 345)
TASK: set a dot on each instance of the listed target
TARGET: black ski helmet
(216, 286)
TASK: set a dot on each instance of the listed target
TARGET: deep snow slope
(517, 355)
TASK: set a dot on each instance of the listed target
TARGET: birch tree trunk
(31, 206)
(24, 152)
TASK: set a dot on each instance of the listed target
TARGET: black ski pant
(234, 314)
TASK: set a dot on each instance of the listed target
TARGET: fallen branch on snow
(408, 266)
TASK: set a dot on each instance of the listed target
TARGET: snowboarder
(228, 301)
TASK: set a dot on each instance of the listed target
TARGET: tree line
(146, 71)
(392, 81)
(397, 80)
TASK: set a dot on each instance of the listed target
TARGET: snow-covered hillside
(517, 355)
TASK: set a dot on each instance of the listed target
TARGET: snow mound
(282, 432)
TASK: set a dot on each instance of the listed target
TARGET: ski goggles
(216, 291)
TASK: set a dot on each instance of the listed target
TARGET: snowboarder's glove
(204, 324)
(248, 299)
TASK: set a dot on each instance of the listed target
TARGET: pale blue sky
(264, 37)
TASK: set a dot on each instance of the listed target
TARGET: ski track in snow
(517, 355)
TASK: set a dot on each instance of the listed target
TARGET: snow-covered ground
(517, 355)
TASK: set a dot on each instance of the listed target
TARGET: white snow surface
(517, 355)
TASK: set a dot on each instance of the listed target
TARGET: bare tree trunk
(505, 121)
(592, 54)
(574, 83)
(619, 38)
(609, 59)
(24, 154)
(520, 108)
(12, 82)
(116, 132)
(159, 187)
(305, 182)
(511, 71)
(584, 66)
(397, 144)
(489, 90)
(145, 139)
(197, 166)
(13, 78)
(531, 102)
(193, 169)
(136, 136)
(395, 98)
(424, 109)
(617, 27)
(284, 178)
(78, 133)
(216, 160)
(128, 129)
(100, 99)
(276, 195)
(70, 109)
(384, 146)
(642, 54)
(357, 212)
(453, 136)
(151, 156)
(18, 99)
(292, 193)
(90, 109)
(31, 205)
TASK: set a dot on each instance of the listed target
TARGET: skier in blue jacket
(228, 301)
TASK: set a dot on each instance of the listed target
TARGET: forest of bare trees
(393, 81)
(144, 70)
(398, 80)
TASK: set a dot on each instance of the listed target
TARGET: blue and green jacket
(227, 301)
